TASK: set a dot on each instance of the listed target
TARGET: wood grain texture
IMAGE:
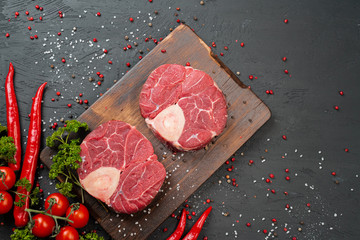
(247, 113)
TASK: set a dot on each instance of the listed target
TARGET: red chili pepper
(180, 228)
(195, 230)
(13, 122)
(31, 155)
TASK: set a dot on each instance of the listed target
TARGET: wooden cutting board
(186, 172)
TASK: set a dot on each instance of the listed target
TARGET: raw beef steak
(183, 106)
(119, 167)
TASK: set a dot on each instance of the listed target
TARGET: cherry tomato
(6, 202)
(59, 204)
(79, 214)
(7, 178)
(44, 225)
(67, 233)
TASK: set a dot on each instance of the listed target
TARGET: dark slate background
(321, 42)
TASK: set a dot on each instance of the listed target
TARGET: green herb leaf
(7, 149)
(34, 198)
(25, 184)
(91, 236)
(22, 234)
(3, 130)
(68, 159)
(65, 188)
(72, 126)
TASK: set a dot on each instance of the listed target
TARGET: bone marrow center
(169, 123)
(102, 182)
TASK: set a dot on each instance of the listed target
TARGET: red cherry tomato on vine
(6, 202)
(59, 204)
(7, 178)
(44, 225)
(68, 233)
(79, 214)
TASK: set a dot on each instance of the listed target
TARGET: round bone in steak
(119, 167)
(183, 106)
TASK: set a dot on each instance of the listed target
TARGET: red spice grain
(41, 8)
(86, 101)
(31, 37)
(336, 107)
(267, 92)
(63, 60)
(128, 64)
(208, 200)
(163, 50)
(27, 12)
(286, 20)
(99, 83)
(286, 71)
(98, 73)
(31, 18)
(187, 64)
(346, 150)
(94, 40)
(17, 13)
(242, 44)
(341, 93)
(248, 224)
(140, 57)
(287, 178)
(271, 175)
(59, 33)
(165, 230)
(267, 180)
(105, 51)
(178, 20)
(273, 220)
(251, 77)
(36, 36)
(284, 137)
(131, 19)
(40, 18)
(101, 76)
(7, 35)
(58, 93)
(110, 62)
(69, 105)
(98, 14)
(29, 28)
(308, 205)
(251, 162)
(265, 231)
(37, 6)
(333, 173)
(287, 170)
(284, 59)
(273, 191)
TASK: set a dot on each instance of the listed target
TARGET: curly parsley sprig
(25, 184)
(68, 157)
(7, 150)
(22, 234)
(91, 236)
